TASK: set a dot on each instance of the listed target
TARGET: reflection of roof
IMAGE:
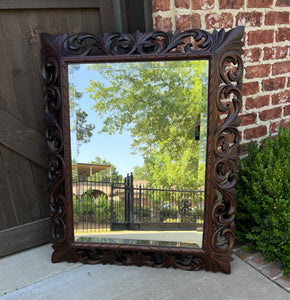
(87, 170)
(138, 182)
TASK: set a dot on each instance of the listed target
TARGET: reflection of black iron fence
(101, 205)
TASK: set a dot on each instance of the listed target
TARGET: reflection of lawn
(171, 220)
(86, 231)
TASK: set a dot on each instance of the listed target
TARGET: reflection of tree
(203, 136)
(160, 104)
(82, 130)
(109, 174)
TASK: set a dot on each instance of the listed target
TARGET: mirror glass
(138, 143)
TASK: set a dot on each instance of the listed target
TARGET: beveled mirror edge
(220, 48)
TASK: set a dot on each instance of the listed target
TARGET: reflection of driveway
(176, 236)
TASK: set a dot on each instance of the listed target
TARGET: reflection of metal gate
(122, 197)
(101, 205)
(138, 207)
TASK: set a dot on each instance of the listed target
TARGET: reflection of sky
(114, 148)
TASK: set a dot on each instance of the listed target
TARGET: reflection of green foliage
(88, 208)
(78, 116)
(166, 172)
(144, 212)
(168, 213)
(119, 211)
(141, 173)
(160, 104)
(104, 175)
(83, 131)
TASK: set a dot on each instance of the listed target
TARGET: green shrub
(263, 196)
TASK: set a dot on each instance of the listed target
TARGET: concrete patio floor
(31, 275)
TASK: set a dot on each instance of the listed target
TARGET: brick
(202, 4)
(255, 132)
(257, 102)
(283, 3)
(163, 24)
(258, 260)
(288, 83)
(270, 114)
(217, 21)
(287, 110)
(283, 281)
(252, 55)
(260, 37)
(248, 119)
(185, 22)
(281, 98)
(249, 19)
(272, 270)
(182, 3)
(195, 21)
(274, 126)
(231, 4)
(160, 5)
(243, 254)
(260, 3)
(250, 88)
(281, 67)
(275, 17)
(273, 84)
(257, 71)
(283, 34)
(275, 52)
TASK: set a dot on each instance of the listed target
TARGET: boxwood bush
(263, 198)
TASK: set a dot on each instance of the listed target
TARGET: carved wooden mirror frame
(223, 50)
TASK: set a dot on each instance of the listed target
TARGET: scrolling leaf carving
(223, 50)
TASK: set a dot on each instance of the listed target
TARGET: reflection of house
(84, 170)
(84, 181)
(81, 173)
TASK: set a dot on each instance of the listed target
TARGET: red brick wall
(266, 90)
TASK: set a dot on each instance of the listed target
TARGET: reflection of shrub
(88, 208)
(102, 209)
(192, 215)
(119, 211)
(83, 207)
(179, 214)
(143, 213)
(168, 212)
(263, 198)
(199, 212)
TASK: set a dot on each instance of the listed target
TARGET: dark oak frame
(223, 50)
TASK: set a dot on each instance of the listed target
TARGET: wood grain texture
(21, 186)
(15, 134)
(24, 236)
(23, 170)
(223, 50)
(54, 4)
